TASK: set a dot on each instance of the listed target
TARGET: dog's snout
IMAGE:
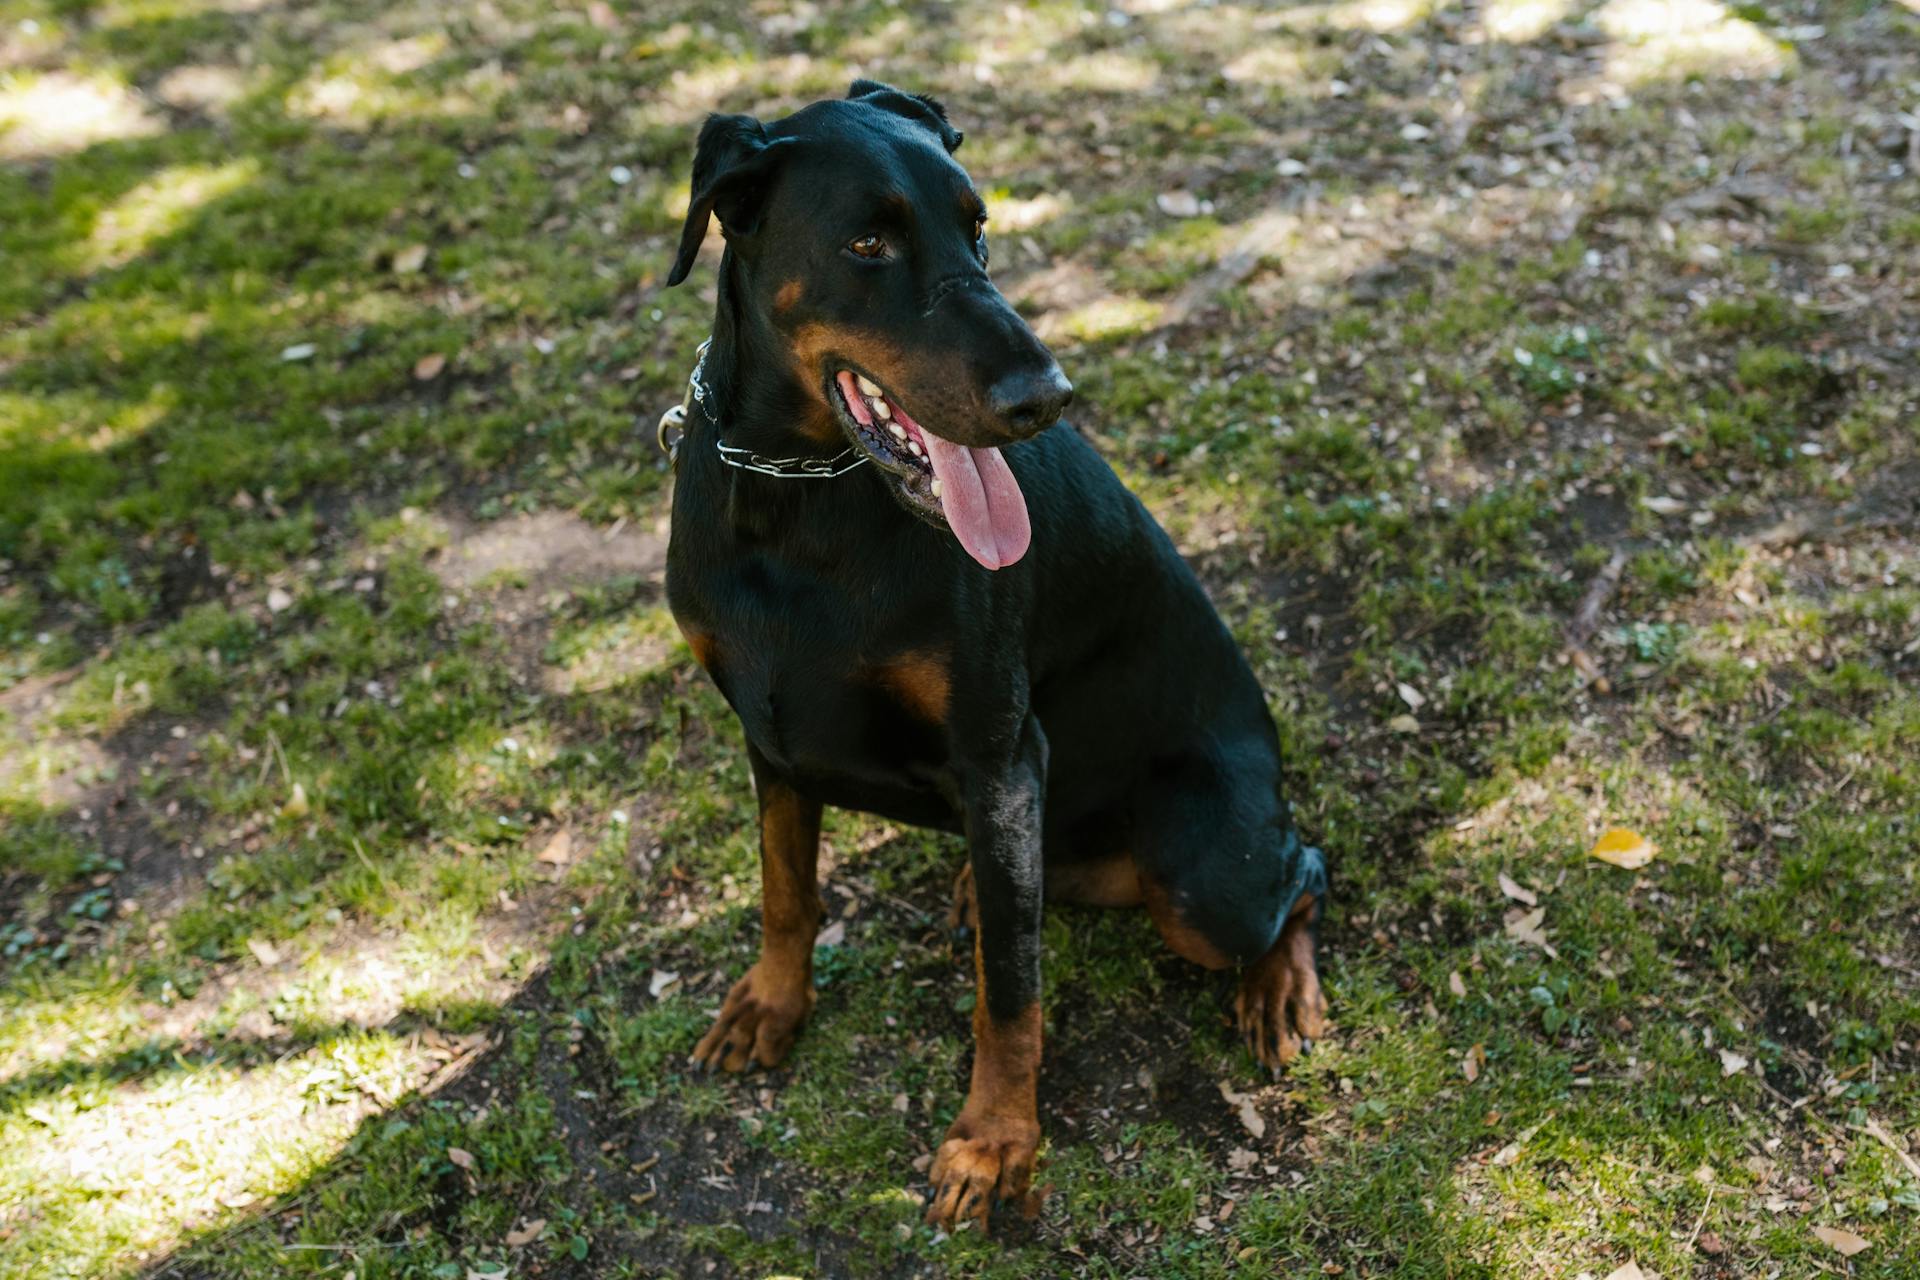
(1032, 400)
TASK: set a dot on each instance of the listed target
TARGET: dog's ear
(732, 165)
(917, 107)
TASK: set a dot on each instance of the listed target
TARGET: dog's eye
(868, 246)
(980, 227)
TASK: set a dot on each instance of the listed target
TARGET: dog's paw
(757, 1023)
(1280, 1004)
(983, 1160)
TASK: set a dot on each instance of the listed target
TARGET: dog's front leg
(763, 1012)
(989, 1150)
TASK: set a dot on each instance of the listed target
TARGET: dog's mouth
(971, 491)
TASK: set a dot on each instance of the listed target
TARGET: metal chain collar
(675, 418)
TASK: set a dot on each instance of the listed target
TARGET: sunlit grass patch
(157, 208)
(99, 1178)
(57, 112)
(1655, 39)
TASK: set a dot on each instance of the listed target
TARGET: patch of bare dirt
(550, 549)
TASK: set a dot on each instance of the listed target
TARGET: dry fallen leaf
(660, 981)
(1404, 724)
(461, 1157)
(428, 367)
(1513, 889)
(559, 850)
(1526, 928)
(1844, 1242)
(527, 1234)
(1624, 848)
(1410, 695)
(409, 260)
(833, 935)
(1475, 1059)
(1731, 1063)
(278, 601)
(1179, 204)
(296, 805)
(1631, 1271)
(263, 951)
(1457, 985)
(1252, 1119)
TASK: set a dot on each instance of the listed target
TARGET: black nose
(1029, 402)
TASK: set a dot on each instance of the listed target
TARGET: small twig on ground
(1586, 618)
(1264, 236)
(378, 874)
(1701, 1221)
(1873, 1129)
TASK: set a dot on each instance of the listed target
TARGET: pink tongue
(981, 500)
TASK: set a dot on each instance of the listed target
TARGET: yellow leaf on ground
(1844, 1242)
(1624, 848)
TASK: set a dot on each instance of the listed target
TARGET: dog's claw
(758, 1022)
(1280, 1006)
(981, 1161)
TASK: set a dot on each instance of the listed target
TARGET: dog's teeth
(899, 432)
(867, 386)
(881, 409)
(914, 447)
(936, 486)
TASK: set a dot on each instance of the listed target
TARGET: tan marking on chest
(921, 681)
(705, 651)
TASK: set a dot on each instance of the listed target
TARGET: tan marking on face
(789, 295)
(934, 389)
(922, 683)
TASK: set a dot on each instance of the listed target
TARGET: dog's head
(861, 243)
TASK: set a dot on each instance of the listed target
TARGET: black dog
(925, 600)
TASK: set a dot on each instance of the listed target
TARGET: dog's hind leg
(1230, 885)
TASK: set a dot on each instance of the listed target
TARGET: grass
(372, 852)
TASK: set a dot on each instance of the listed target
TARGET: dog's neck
(756, 393)
(756, 400)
